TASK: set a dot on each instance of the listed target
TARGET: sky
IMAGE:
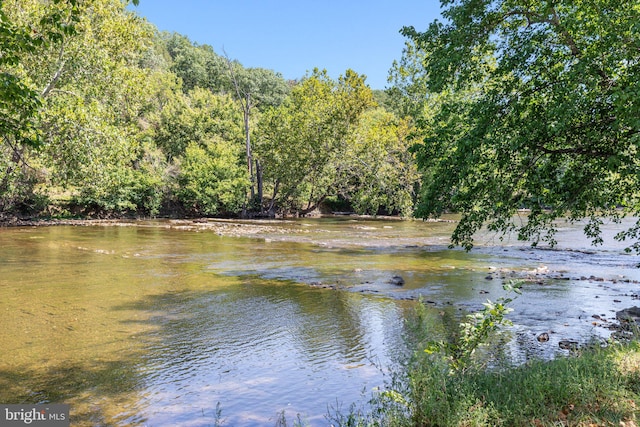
(294, 37)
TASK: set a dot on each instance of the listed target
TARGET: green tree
(302, 139)
(537, 108)
(197, 65)
(212, 179)
(255, 88)
(377, 170)
(196, 117)
(92, 93)
(408, 94)
(21, 98)
(201, 136)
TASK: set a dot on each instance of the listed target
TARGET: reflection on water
(152, 326)
(260, 348)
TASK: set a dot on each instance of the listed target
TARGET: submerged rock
(397, 280)
(543, 337)
(629, 315)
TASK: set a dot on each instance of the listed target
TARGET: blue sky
(293, 37)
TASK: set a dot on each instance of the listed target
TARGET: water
(163, 322)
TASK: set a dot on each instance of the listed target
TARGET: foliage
(255, 88)
(200, 134)
(458, 353)
(266, 88)
(196, 65)
(196, 117)
(124, 185)
(92, 93)
(590, 389)
(18, 194)
(594, 386)
(408, 94)
(538, 110)
(20, 99)
(302, 139)
(103, 110)
(377, 170)
(211, 180)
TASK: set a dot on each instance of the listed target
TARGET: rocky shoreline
(221, 227)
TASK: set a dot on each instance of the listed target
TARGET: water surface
(152, 325)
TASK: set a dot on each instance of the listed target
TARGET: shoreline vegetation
(593, 387)
(464, 380)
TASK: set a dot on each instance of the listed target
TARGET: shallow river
(161, 323)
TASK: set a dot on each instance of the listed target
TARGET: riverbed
(171, 322)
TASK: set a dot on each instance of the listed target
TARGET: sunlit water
(162, 327)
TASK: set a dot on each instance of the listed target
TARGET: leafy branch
(475, 331)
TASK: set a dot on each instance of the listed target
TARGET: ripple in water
(259, 352)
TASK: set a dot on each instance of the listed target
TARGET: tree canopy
(503, 107)
(102, 114)
(530, 105)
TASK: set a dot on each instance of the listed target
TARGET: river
(166, 323)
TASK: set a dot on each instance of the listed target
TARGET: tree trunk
(259, 185)
(247, 110)
(273, 198)
(311, 208)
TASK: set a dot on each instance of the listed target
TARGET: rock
(543, 337)
(489, 277)
(568, 344)
(629, 315)
(397, 280)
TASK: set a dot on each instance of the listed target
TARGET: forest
(116, 118)
(503, 106)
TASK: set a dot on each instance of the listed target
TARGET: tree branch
(569, 41)
(56, 75)
(575, 150)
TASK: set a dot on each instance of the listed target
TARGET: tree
(197, 65)
(302, 139)
(408, 94)
(196, 117)
(21, 98)
(200, 134)
(255, 87)
(377, 170)
(91, 95)
(212, 180)
(535, 106)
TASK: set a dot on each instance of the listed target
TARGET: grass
(595, 386)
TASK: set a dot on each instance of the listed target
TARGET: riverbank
(465, 380)
(597, 387)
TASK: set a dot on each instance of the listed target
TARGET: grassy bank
(595, 386)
